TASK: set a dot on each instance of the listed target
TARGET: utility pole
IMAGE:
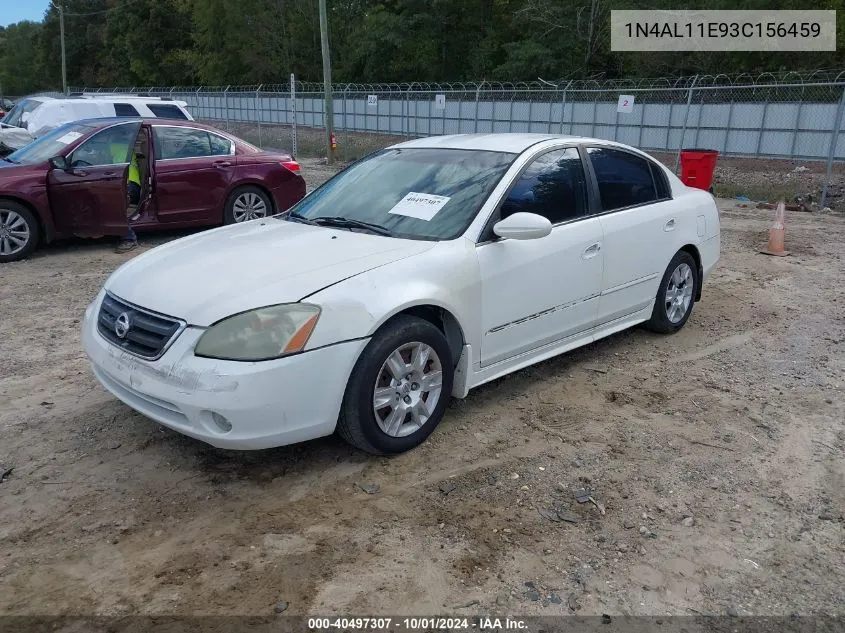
(62, 33)
(327, 83)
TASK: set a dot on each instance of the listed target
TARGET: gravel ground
(716, 454)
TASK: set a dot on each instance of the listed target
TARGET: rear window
(166, 111)
(125, 109)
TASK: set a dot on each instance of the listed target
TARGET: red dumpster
(697, 167)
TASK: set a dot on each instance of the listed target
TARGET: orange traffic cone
(777, 233)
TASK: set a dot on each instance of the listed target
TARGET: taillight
(291, 165)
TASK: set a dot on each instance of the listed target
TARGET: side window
(180, 142)
(624, 179)
(166, 111)
(664, 191)
(220, 146)
(553, 186)
(125, 109)
(109, 147)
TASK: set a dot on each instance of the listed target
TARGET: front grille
(145, 334)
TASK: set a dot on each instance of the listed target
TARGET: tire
(361, 424)
(681, 281)
(17, 223)
(247, 203)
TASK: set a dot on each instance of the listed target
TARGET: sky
(12, 11)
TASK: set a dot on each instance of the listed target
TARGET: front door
(537, 292)
(192, 172)
(89, 197)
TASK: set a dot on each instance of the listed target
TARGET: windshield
(423, 193)
(13, 116)
(50, 144)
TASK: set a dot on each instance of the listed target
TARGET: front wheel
(18, 231)
(399, 388)
(247, 203)
(676, 295)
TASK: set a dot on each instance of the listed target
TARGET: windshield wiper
(298, 217)
(349, 223)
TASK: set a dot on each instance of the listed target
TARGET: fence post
(345, 126)
(293, 112)
(728, 125)
(406, 112)
(834, 141)
(477, 91)
(797, 124)
(684, 127)
(563, 106)
(226, 106)
(258, 113)
(762, 128)
(698, 120)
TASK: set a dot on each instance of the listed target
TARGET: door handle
(592, 250)
(222, 163)
(670, 225)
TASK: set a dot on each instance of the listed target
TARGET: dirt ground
(716, 453)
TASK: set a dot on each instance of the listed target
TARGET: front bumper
(268, 403)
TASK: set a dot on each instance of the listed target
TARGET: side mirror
(523, 226)
(59, 162)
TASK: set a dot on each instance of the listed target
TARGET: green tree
(149, 43)
(19, 45)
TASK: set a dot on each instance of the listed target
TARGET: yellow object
(118, 155)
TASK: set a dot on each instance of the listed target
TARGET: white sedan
(417, 273)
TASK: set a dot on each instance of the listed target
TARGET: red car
(73, 181)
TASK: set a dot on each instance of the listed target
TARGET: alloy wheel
(14, 232)
(679, 293)
(249, 206)
(407, 390)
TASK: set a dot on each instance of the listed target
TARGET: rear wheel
(399, 388)
(19, 231)
(676, 295)
(247, 203)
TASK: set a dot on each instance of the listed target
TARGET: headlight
(261, 334)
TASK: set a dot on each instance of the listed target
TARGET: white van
(35, 116)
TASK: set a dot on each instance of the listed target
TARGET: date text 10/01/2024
(722, 29)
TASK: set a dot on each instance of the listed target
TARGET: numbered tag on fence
(372, 100)
(440, 102)
(626, 103)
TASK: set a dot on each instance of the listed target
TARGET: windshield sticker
(423, 206)
(68, 138)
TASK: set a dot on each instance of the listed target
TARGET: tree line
(237, 42)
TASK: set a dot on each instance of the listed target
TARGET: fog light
(222, 423)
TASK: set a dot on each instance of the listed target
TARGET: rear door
(89, 198)
(192, 172)
(639, 220)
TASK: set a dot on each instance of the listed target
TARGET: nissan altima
(415, 274)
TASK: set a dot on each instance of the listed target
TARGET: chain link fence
(792, 116)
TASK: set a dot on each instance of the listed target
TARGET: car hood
(209, 276)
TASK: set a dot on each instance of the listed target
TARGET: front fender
(37, 201)
(446, 276)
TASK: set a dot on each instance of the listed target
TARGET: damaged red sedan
(75, 181)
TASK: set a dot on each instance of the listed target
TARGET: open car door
(88, 198)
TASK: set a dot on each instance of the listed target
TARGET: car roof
(107, 121)
(513, 142)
